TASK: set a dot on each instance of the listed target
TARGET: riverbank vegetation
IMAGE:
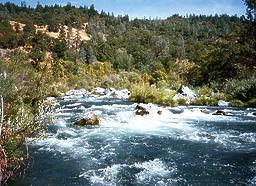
(66, 47)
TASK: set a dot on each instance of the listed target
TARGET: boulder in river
(99, 91)
(185, 93)
(220, 113)
(141, 111)
(254, 113)
(159, 112)
(176, 110)
(111, 93)
(75, 94)
(79, 92)
(222, 103)
(118, 94)
(91, 119)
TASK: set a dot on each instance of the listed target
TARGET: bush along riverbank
(23, 114)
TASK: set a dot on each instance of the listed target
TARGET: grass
(237, 103)
(144, 93)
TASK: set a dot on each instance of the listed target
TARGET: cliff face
(70, 33)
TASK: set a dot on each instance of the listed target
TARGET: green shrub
(212, 102)
(181, 101)
(203, 101)
(252, 103)
(55, 90)
(200, 101)
(204, 91)
(243, 90)
(145, 93)
(237, 103)
(219, 96)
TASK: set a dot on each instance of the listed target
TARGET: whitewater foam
(149, 172)
(153, 171)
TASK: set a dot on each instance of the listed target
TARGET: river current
(182, 146)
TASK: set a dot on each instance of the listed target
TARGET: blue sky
(155, 8)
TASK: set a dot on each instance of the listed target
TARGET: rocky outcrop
(119, 94)
(79, 92)
(91, 119)
(141, 111)
(185, 93)
(222, 103)
(98, 91)
(75, 94)
(111, 93)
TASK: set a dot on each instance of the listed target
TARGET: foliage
(22, 89)
(181, 101)
(144, 93)
(203, 100)
(193, 49)
(252, 103)
(237, 103)
(243, 90)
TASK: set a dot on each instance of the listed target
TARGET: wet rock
(111, 93)
(75, 94)
(98, 90)
(91, 119)
(79, 92)
(220, 112)
(159, 112)
(254, 113)
(51, 99)
(205, 111)
(141, 111)
(176, 110)
(118, 94)
(222, 103)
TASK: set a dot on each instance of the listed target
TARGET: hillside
(196, 50)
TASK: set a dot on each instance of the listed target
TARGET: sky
(153, 8)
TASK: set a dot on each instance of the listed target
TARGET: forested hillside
(196, 49)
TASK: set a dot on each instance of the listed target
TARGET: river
(182, 146)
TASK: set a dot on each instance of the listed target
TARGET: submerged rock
(207, 136)
(141, 111)
(205, 111)
(176, 110)
(91, 119)
(159, 112)
(222, 103)
(220, 112)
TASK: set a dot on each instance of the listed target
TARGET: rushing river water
(182, 146)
